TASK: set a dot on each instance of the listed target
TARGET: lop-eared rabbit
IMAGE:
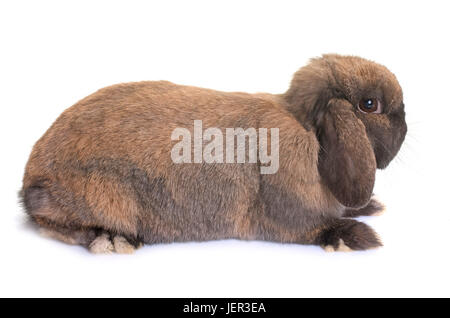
(103, 176)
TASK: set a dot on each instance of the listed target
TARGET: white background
(54, 53)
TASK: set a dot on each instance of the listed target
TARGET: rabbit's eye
(370, 105)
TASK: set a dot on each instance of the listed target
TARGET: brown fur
(105, 164)
(374, 207)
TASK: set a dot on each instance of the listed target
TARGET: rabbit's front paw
(348, 235)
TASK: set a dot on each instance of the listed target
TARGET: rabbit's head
(356, 108)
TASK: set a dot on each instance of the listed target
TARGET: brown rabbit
(102, 176)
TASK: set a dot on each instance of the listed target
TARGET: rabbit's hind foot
(71, 227)
(107, 244)
(122, 246)
(101, 245)
(97, 241)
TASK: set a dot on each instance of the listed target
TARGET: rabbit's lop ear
(347, 161)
